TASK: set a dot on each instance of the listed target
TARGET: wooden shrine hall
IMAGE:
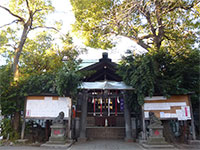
(103, 110)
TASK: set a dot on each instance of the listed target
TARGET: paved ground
(98, 145)
(106, 145)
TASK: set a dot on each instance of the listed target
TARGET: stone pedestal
(156, 135)
(156, 139)
(58, 134)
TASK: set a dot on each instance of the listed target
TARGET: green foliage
(162, 73)
(68, 77)
(133, 104)
(40, 9)
(39, 83)
(11, 99)
(67, 82)
(151, 24)
(89, 16)
(7, 130)
(8, 36)
(29, 15)
(32, 15)
(41, 71)
(40, 55)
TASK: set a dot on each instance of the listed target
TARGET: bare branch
(37, 10)
(139, 42)
(14, 21)
(8, 10)
(146, 36)
(183, 6)
(27, 4)
(52, 28)
(128, 11)
(11, 45)
(150, 23)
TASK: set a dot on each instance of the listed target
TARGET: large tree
(29, 15)
(41, 71)
(152, 24)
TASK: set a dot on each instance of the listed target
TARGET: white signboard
(162, 106)
(47, 107)
(171, 108)
(184, 113)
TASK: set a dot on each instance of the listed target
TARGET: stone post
(144, 132)
(127, 117)
(133, 123)
(83, 117)
(77, 127)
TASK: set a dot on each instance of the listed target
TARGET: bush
(7, 131)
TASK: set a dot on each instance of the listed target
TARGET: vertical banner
(122, 104)
(108, 106)
(116, 106)
(94, 105)
(73, 111)
(116, 101)
(101, 107)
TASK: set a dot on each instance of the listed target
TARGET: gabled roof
(105, 85)
(105, 69)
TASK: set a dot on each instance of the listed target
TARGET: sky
(63, 12)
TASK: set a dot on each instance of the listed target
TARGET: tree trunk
(16, 121)
(18, 51)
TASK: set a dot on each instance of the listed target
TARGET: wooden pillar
(23, 128)
(69, 129)
(83, 117)
(47, 127)
(192, 120)
(144, 135)
(127, 117)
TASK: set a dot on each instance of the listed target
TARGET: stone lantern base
(156, 135)
(58, 134)
(156, 139)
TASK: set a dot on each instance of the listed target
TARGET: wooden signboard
(175, 107)
(46, 107)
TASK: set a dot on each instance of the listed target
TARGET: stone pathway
(100, 145)
(27, 148)
(106, 145)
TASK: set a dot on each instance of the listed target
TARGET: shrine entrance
(103, 110)
(105, 116)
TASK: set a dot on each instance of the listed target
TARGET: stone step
(194, 142)
(105, 132)
(158, 146)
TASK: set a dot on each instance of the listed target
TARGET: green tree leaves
(162, 73)
(151, 24)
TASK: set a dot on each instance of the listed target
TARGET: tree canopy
(29, 15)
(153, 24)
(162, 73)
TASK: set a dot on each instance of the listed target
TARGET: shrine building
(102, 106)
